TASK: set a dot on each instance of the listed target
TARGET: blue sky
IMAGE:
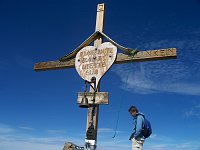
(38, 110)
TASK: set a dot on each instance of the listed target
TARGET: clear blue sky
(38, 110)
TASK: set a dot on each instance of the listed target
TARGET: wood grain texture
(93, 112)
(95, 62)
(100, 97)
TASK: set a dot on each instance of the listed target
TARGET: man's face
(133, 113)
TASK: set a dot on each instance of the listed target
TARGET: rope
(120, 107)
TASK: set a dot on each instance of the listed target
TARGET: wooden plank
(100, 97)
(150, 55)
(93, 112)
(99, 22)
(54, 65)
(95, 62)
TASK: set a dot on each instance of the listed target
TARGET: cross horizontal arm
(149, 55)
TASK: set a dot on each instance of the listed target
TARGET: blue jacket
(138, 123)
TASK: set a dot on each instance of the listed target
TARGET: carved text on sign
(157, 53)
(100, 97)
(95, 62)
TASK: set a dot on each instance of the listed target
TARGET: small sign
(99, 97)
(95, 62)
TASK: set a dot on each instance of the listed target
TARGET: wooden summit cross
(94, 61)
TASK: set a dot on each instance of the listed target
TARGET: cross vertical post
(93, 111)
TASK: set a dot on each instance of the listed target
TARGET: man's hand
(132, 135)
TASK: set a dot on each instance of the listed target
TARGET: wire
(120, 107)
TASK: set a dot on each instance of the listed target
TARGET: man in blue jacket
(138, 121)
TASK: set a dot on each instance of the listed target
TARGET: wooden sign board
(100, 97)
(95, 62)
